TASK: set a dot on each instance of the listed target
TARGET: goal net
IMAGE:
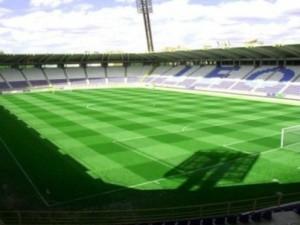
(290, 137)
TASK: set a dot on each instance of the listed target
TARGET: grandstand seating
(266, 80)
(240, 72)
(287, 75)
(261, 73)
(271, 88)
(161, 70)
(136, 73)
(220, 72)
(15, 78)
(282, 75)
(223, 84)
(173, 71)
(292, 89)
(76, 75)
(150, 79)
(56, 76)
(187, 83)
(272, 73)
(202, 83)
(232, 219)
(115, 71)
(203, 71)
(192, 70)
(182, 71)
(96, 75)
(3, 84)
(116, 74)
(159, 79)
(243, 86)
(35, 76)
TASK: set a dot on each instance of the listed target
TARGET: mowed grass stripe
(151, 122)
(213, 128)
(160, 160)
(84, 155)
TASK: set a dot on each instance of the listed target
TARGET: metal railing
(147, 215)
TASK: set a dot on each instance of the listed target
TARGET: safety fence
(88, 217)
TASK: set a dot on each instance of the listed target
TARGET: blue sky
(77, 26)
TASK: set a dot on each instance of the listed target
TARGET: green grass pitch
(130, 147)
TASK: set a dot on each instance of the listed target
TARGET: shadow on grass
(53, 176)
(204, 170)
(57, 178)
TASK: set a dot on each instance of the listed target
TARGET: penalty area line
(157, 181)
(253, 139)
(147, 156)
(238, 150)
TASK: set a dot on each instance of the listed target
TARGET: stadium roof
(284, 52)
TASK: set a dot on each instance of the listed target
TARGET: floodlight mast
(145, 7)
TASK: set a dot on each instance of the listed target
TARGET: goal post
(290, 136)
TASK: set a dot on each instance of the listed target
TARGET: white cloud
(125, 1)
(174, 23)
(4, 11)
(82, 7)
(49, 3)
(196, 25)
(76, 31)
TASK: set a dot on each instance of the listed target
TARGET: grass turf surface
(134, 146)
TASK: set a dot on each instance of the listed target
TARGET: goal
(290, 136)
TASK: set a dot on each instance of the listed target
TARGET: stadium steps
(166, 71)
(183, 71)
(147, 74)
(271, 75)
(194, 71)
(7, 83)
(216, 72)
(23, 74)
(288, 75)
(85, 74)
(247, 74)
(295, 78)
(47, 79)
(258, 73)
(284, 88)
(66, 75)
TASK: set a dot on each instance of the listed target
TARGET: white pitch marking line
(24, 172)
(189, 172)
(157, 181)
(224, 124)
(88, 106)
(178, 175)
(253, 139)
(238, 150)
(275, 180)
(76, 199)
(148, 156)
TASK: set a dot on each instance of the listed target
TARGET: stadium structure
(185, 137)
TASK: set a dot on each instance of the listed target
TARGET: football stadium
(185, 137)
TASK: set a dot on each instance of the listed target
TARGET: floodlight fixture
(145, 7)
